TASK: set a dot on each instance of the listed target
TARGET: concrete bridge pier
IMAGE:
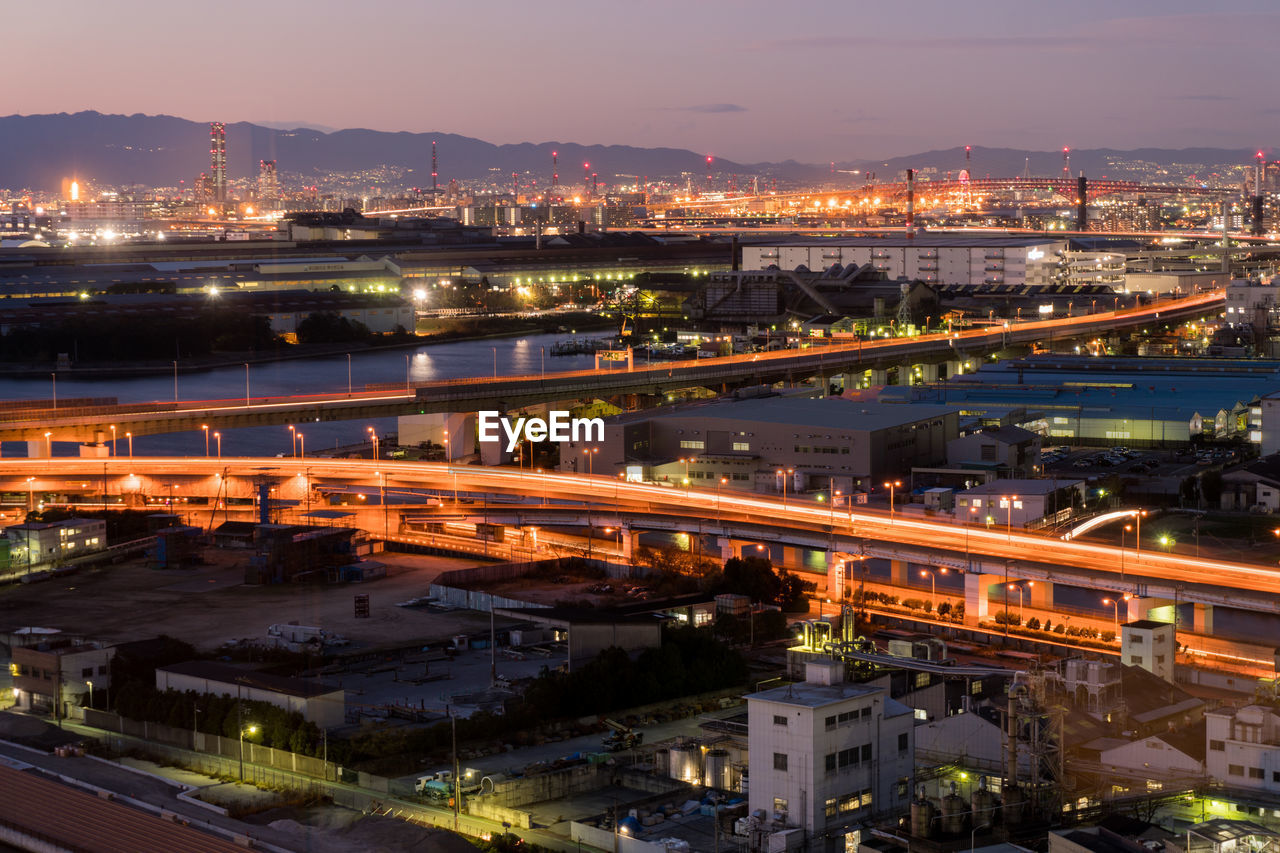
(877, 376)
(975, 598)
(94, 450)
(899, 572)
(1040, 595)
(904, 374)
(929, 372)
(1202, 620)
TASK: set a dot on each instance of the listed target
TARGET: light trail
(600, 494)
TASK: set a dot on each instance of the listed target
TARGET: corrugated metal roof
(81, 821)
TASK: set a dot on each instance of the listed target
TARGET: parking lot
(1095, 462)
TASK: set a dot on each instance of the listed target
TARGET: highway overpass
(739, 521)
(91, 425)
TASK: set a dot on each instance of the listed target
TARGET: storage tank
(685, 764)
(661, 762)
(983, 802)
(715, 769)
(1015, 804)
(922, 815)
(954, 809)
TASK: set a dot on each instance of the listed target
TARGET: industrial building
(43, 543)
(931, 258)
(825, 757)
(770, 444)
(53, 674)
(317, 702)
(1019, 503)
(1138, 402)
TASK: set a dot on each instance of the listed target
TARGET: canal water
(451, 360)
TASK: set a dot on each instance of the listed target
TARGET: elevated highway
(93, 424)
(536, 498)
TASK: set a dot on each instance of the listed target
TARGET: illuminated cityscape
(823, 429)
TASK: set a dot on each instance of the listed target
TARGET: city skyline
(710, 78)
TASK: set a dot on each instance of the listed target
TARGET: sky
(809, 80)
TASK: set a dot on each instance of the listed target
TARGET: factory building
(827, 756)
(932, 258)
(50, 675)
(317, 702)
(770, 444)
(43, 543)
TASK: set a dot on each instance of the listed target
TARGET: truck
(622, 737)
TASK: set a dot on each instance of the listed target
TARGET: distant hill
(1010, 162)
(39, 151)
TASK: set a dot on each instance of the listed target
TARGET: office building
(1018, 503)
(218, 160)
(1150, 645)
(45, 543)
(826, 755)
(770, 444)
(268, 185)
(1243, 747)
(51, 675)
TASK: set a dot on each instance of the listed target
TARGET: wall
(501, 814)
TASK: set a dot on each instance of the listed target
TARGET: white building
(1150, 645)
(1249, 300)
(41, 543)
(934, 258)
(826, 755)
(1177, 282)
(318, 702)
(1017, 503)
(1243, 747)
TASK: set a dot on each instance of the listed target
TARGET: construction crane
(622, 737)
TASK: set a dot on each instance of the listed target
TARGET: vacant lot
(211, 605)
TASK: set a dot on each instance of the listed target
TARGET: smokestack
(1082, 203)
(911, 203)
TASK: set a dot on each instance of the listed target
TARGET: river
(451, 360)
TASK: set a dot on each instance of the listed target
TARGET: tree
(1211, 487)
(753, 577)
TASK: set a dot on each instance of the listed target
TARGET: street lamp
(933, 586)
(302, 445)
(253, 730)
(1008, 502)
(892, 486)
(205, 427)
(217, 436)
(786, 475)
(1018, 587)
(373, 436)
(127, 435)
(293, 441)
(90, 683)
(1115, 609)
(113, 440)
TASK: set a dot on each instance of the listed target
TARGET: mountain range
(38, 151)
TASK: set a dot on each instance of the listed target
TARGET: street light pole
(348, 374)
(205, 427)
(246, 384)
(892, 486)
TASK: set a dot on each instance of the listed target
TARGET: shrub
(1033, 623)
(1059, 628)
(1108, 636)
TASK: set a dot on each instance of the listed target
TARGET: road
(859, 532)
(94, 423)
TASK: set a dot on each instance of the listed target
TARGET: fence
(209, 745)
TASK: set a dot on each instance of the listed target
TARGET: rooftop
(1021, 487)
(802, 412)
(807, 694)
(211, 671)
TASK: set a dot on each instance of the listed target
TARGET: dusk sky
(749, 80)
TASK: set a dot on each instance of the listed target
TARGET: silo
(922, 815)
(954, 808)
(715, 769)
(983, 802)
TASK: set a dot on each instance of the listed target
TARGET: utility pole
(457, 780)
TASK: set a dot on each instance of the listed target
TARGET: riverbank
(496, 328)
